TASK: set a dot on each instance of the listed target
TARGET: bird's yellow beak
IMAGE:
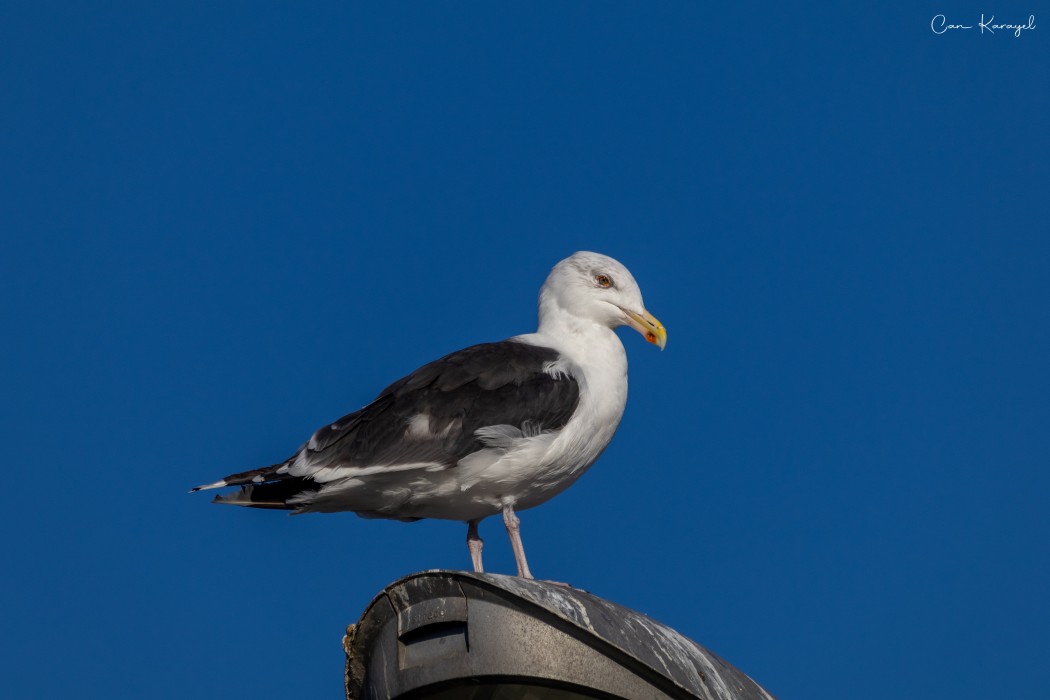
(646, 324)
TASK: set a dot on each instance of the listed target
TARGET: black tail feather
(274, 494)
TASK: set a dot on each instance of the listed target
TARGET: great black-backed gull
(492, 428)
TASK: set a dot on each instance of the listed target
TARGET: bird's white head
(596, 288)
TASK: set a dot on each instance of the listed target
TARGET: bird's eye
(603, 280)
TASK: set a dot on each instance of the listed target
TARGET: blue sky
(224, 225)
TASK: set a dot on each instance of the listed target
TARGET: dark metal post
(452, 634)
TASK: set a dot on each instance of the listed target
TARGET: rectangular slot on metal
(439, 640)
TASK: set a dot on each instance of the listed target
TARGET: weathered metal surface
(434, 627)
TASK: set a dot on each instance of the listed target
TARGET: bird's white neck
(585, 342)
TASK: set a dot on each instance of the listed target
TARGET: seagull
(493, 428)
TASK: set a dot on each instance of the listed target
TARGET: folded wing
(430, 419)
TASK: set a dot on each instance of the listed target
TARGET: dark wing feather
(489, 384)
(484, 385)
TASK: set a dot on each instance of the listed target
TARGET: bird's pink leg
(514, 530)
(474, 544)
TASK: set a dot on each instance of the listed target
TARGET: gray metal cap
(453, 634)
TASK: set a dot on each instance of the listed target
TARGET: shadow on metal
(453, 634)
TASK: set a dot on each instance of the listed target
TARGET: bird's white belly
(526, 475)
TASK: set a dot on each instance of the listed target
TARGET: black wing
(431, 415)
(484, 385)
